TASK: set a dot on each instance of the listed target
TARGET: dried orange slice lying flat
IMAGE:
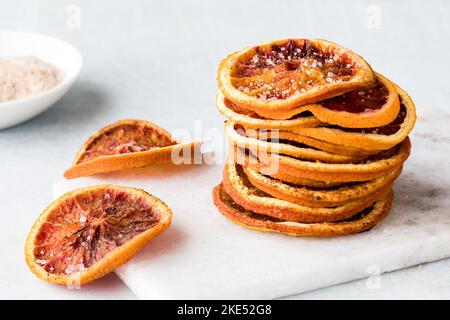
(364, 220)
(89, 232)
(379, 138)
(126, 144)
(280, 75)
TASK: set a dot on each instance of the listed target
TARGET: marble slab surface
(203, 255)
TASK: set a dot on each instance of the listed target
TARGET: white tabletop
(157, 60)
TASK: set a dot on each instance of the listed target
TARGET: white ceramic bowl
(59, 53)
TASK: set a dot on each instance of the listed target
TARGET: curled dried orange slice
(317, 197)
(126, 144)
(303, 182)
(371, 168)
(280, 75)
(88, 232)
(239, 188)
(296, 139)
(268, 143)
(379, 138)
(252, 120)
(372, 106)
(364, 220)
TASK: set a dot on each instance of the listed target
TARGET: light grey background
(157, 60)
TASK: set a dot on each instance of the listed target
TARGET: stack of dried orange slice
(317, 138)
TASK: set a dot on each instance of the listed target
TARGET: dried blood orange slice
(126, 144)
(237, 185)
(89, 232)
(318, 197)
(372, 106)
(379, 138)
(295, 138)
(373, 167)
(364, 220)
(252, 120)
(283, 74)
(265, 144)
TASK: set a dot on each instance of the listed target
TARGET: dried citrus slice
(317, 197)
(240, 189)
(89, 232)
(280, 75)
(379, 138)
(364, 220)
(243, 139)
(371, 168)
(252, 120)
(126, 144)
(326, 146)
(295, 138)
(372, 106)
(302, 182)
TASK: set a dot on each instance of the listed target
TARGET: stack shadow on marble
(316, 139)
